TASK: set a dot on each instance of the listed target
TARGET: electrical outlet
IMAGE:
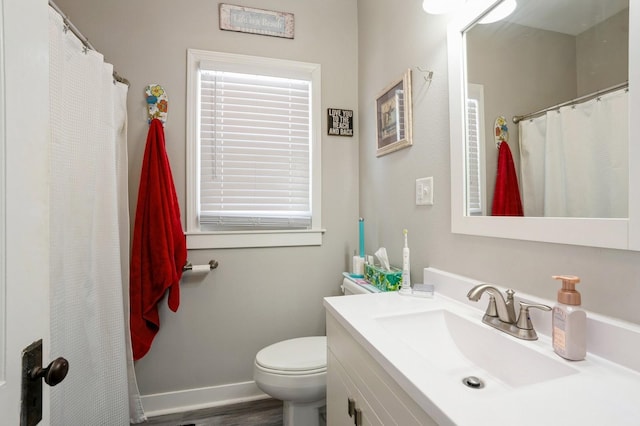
(424, 191)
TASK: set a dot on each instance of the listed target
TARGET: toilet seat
(291, 373)
(301, 356)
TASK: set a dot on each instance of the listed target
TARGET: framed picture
(393, 116)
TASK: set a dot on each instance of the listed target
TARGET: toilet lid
(301, 354)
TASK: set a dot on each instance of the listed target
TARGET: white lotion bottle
(406, 268)
(569, 321)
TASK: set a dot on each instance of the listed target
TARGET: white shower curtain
(89, 236)
(574, 161)
(532, 165)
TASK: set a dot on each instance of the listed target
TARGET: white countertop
(601, 392)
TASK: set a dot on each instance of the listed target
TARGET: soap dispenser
(569, 321)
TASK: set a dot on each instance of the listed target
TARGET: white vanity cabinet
(352, 374)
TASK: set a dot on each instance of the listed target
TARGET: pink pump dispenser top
(568, 293)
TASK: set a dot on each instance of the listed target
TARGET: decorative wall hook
(157, 102)
(501, 131)
(427, 74)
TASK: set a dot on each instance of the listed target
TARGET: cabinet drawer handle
(358, 419)
(351, 406)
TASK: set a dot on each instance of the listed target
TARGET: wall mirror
(562, 70)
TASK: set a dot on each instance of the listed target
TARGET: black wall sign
(340, 122)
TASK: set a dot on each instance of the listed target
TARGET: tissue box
(384, 280)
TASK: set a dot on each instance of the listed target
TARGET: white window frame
(200, 239)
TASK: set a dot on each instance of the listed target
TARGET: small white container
(357, 267)
(569, 321)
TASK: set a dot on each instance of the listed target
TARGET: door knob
(53, 374)
(32, 372)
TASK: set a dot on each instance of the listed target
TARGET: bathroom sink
(432, 348)
(461, 347)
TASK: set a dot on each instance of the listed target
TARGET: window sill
(247, 239)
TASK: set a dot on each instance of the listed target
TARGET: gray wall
(602, 59)
(610, 278)
(257, 296)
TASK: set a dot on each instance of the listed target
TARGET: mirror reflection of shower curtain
(532, 147)
(89, 235)
(575, 160)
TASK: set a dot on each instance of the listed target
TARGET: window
(253, 151)
(475, 159)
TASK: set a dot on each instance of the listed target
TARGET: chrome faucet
(501, 313)
(505, 309)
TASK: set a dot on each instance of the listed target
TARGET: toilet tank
(356, 286)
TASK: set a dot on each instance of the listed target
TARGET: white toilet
(295, 371)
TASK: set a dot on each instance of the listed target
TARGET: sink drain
(473, 382)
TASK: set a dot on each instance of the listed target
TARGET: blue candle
(361, 237)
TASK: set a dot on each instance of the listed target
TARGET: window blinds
(255, 144)
(474, 196)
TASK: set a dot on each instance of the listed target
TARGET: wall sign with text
(256, 21)
(340, 122)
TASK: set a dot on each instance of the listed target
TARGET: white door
(24, 215)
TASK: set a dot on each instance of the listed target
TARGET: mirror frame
(618, 233)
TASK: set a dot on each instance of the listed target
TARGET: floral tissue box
(382, 279)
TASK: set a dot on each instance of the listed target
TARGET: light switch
(424, 191)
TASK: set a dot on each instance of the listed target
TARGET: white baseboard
(196, 399)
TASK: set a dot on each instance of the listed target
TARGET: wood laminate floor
(264, 412)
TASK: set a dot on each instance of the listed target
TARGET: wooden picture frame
(394, 120)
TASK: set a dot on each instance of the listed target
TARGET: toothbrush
(406, 274)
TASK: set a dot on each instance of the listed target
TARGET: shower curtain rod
(82, 38)
(518, 118)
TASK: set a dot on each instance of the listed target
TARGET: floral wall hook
(502, 131)
(157, 102)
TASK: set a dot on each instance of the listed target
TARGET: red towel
(159, 248)
(506, 197)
